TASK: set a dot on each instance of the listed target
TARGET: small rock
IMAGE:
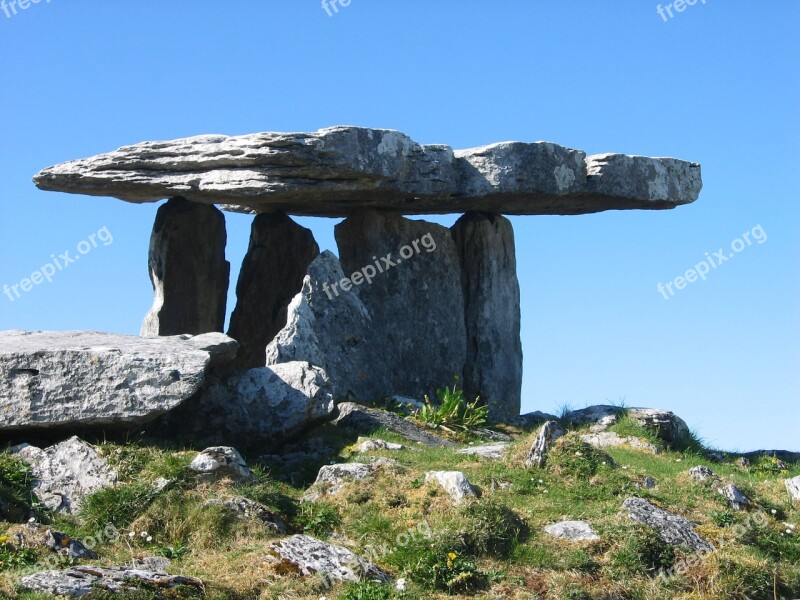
(736, 497)
(372, 445)
(606, 439)
(576, 531)
(493, 451)
(793, 487)
(455, 483)
(549, 433)
(701, 473)
(672, 528)
(305, 555)
(161, 484)
(743, 462)
(649, 483)
(221, 462)
(244, 508)
(80, 581)
(36, 536)
(332, 478)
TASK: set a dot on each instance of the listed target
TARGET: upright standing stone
(272, 274)
(414, 298)
(493, 368)
(188, 270)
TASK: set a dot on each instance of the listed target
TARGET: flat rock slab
(84, 378)
(335, 171)
(306, 556)
(495, 451)
(671, 528)
(609, 439)
(364, 419)
(575, 531)
(81, 581)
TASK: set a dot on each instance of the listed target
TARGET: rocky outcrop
(256, 408)
(188, 270)
(221, 462)
(88, 379)
(272, 274)
(665, 424)
(364, 420)
(409, 284)
(305, 556)
(493, 366)
(574, 531)
(671, 528)
(338, 170)
(609, 439)
(77, 582)
(548, 434)
(455, 483)
(66, 473)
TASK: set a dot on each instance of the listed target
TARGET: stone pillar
(188, 270)
(272, 274)
(493, 368)
(407, 274)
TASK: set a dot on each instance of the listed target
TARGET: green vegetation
(453, 412)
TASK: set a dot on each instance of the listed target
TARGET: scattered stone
(337, 170)
(271, 276)
(221, 462)
(575, 531)
(736, 497)
(361, 418)
(495, 451)
(80, 581)
(306, 556)
(548, 434)
(37, 536)
(65, 473)
(332, 478)
(88, 379)
(493, 368)
(455, 483)
(608, 439)
(244, 508)
(672, 528)
(793, 487)
(188, 270)
(743, 462)
(260, 408)
(701, 473)
(649, 483)
(373, 445)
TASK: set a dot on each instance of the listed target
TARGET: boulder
(188, 270)
(574, 531)
(793, 487)
(77, 582)
(736, 498)
(88, 379)
(338, 170)
(306, 556)
(493, 367)
(332, 478)
(272, 274)
(496, 451)
(365, 420)
(221, 462)
(406, 274)
(258, 408)
(548, 434)
(671, 528)
(455, 483)
(66, 473)
(606, 439)
(244, 508)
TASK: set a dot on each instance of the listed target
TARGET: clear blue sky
(716, 84)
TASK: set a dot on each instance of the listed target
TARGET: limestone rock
(702, 473)
(244, 508)
(606, 439)
(672, 528)
(188, 270)
(336, 171)
(65, 473)
(575, 531)
(416, 305)
(548, 434)
(36, 536)
(455, 483)
(665, 424)
(372, 445)
(793, 487)
(84, 378)
(271, 276)
(363, 419)
(221, 462)
(257, 408)
(493, 368)
(77, 582)
(496, 451)
(306, 556)
(736, 498)
(332, 478)
(532, 419)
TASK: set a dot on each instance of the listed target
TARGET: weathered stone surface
(244, 508)
(793, 487)
(606, 439)
(221, 462)
(416, 304)
(84, 378)
(256, 408)
(455, 483)
(671, 528)
(702, 473)
(338, 170)
(188, 270)
(332, 331)
(65, 473)
(548, 434)
(493, 367)
(496, 451)
(665, 424)
(41, 537)
(373, 445)
(332, 478)
(736, 498)
(305, 555)
(272, 274)
(81, 581)
(361, 418)
(575, 531)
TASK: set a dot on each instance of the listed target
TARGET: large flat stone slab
(337, 170)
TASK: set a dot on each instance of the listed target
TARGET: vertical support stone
(493, 369)
(272, 274)
(188, 270)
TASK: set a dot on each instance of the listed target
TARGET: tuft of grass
(625, 426)
(16, 498)
(319, 519)
(453, 411)
(637, 550)
(572, 457)
(368, 590)
(118, 506)
(490, 528)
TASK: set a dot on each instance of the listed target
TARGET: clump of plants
(318, 518)
(453, 412)
(15, 488)
(639, 550)
(573, 457)
(490, 528)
